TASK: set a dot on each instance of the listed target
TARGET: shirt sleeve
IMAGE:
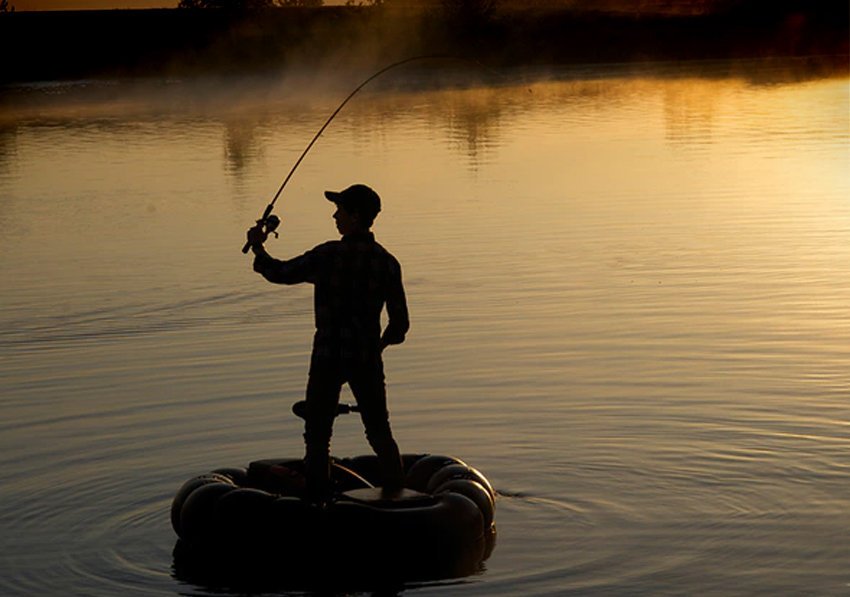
(399, 321)
(291, 271)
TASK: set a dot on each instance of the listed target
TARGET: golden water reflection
(470, 118)
(628, 296)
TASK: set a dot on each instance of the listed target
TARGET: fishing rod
(270, 221)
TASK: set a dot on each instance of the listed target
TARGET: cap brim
(333, 196)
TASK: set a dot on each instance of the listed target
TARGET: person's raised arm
(292, 271)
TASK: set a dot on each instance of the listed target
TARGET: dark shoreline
(172, 42)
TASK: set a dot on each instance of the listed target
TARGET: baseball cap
(357, 198)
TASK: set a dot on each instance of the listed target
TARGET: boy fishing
(354, 278)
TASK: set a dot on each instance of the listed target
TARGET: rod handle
(300, 409)
(264, 221)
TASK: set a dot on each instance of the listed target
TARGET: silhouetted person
(354, 278)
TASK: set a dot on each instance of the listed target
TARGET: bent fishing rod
(269, 221)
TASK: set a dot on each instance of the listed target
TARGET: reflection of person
(353, 278)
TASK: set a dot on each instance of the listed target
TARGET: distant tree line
(462, 12)
(243, 5)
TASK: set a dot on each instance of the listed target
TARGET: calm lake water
(629, 291)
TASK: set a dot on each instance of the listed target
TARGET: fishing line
(272, 222)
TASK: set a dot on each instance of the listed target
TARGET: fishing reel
(269, 224)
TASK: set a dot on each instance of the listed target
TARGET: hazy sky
(89, 4)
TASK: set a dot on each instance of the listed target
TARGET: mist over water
(628, 292)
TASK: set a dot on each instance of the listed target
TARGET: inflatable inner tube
(447, 507)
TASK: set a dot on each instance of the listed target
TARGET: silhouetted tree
(308, 3)
(5, 7)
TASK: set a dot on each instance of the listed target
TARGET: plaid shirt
(353, 278)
